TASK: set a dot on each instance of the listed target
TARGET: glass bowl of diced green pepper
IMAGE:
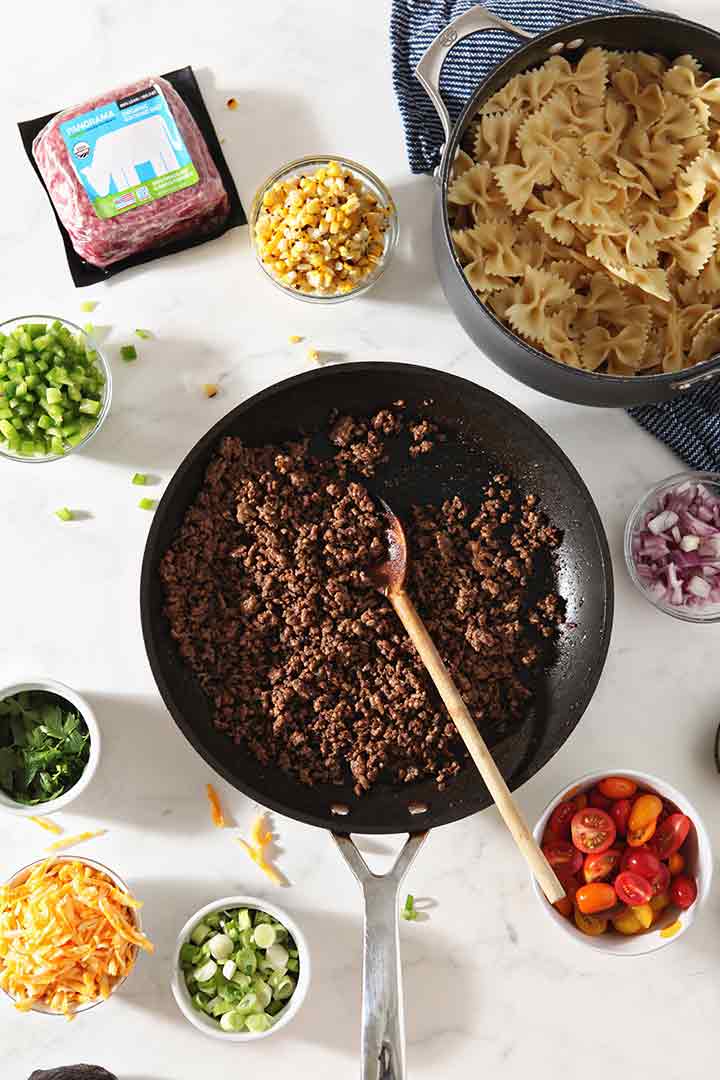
(55, 388)
(241, 969)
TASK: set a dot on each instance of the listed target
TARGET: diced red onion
(676, 548)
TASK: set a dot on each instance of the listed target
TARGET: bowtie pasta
(585, 210)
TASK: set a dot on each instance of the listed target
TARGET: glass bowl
(649, 504)
(371, 181)
(34, 459)
(17, 879)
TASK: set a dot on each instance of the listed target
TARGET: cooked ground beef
(306, 665)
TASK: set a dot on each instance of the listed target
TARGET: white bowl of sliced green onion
(241, 969)
(55, 388)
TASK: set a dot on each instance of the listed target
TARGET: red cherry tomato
(592, 830)
(671, 835)
(632, 889)
(598, 800)
(563, 856)
(620, 813)
(683, 891)
(661, 883)
(676, 864)
(598, 896)
(641, 861)
(601, 864)
(617, 787)
(562, 815)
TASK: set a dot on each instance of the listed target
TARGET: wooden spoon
(389, 577)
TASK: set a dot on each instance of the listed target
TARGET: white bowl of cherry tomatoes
(633, 856)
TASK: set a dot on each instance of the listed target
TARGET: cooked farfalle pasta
(585, 210)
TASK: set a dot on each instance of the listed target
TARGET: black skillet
(486, 432)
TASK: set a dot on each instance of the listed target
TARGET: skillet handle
(692, 381)
(383, 1019)
(431, 62)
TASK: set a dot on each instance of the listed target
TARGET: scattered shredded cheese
(45, 823)
(260, 837)
(294, 339)
(313, 356)
(210, 389)
(218, 817)
(70, 841)
(67, 936)
(258, 857)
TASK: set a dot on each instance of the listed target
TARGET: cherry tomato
(643, 819)
(562, 815)
(671, 835)
(617, 787)
(598, 800)
(620, 813)
(632, 889)
(661, 883)
(601, 864)
(581, 800)
(641, 861)
(659, 903)
(592, 830)
(676, 863)
(590, 924)
(683, 891)
(563, 856)
(626, 922)
(598, 896)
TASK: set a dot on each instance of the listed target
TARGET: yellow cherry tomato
(644, 915)
(592, 925)
(659, 903)
(643, 819)
(676, 864)
(627, 922)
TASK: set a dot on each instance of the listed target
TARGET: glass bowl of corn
(323, 228)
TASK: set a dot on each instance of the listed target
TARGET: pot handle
(693, 381)
(383, 1020)
(431, 62)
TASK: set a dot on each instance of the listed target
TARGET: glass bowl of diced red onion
(672, 546)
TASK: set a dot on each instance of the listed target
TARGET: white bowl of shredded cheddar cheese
(50, 973)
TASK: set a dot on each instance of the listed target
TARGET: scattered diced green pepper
(139, 478)
(128, 353)
(64, 514)
(147, 504)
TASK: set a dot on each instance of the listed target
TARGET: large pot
(652, 32)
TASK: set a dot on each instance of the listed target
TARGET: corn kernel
(313, 355)
(295, 338)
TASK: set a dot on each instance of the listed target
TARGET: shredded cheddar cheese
(45, 823)
(260, 837)
(68, 935)
(258, 857)
(218, 817)
(70, 841)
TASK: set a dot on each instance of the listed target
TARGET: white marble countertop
(491, 987)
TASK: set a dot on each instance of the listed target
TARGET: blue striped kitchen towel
(691, 424)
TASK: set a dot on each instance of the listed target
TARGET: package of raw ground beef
(134, 174)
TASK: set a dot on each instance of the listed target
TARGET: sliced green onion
(259, 1022)
(147, 504)
(64, 514)
(221, 947)
(199, 934)
(89, 305)
(206, 971)
(144, 334)
(264, 936)
(128, 353)
(409, 912)
(232, 1021)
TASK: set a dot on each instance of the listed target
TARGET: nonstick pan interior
(486, 432)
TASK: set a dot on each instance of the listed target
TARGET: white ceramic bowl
(699, 864)
(206, 1024)
(17, 879)
(7, 804)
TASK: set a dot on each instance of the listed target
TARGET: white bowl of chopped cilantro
(241, 969)
(55, 388)
(49, 747)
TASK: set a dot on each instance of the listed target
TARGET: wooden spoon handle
(475, 743)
